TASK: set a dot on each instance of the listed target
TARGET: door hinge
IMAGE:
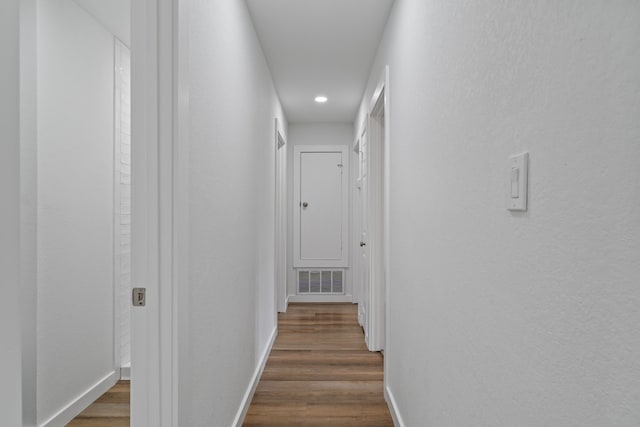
(138, 297)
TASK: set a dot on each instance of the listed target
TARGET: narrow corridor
(320, 372)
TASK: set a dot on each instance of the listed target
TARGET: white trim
(343, 262)
(320, 298)
(125, 373)
(378, 146)
(393, 408)
(363, 303)
(167, 142)
(387, 215)
(382, 83)
(117, 140)
(280, 220)
(157, 112)
(356, 216)
(179, 334)
(79, 404)
(255, 379)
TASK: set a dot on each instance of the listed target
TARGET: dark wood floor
(320, 373)
(110, 410)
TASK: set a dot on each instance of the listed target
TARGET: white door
(363, 309)
(320, 216)
(321, 210)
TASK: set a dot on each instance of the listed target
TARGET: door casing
(378, 141)
(354, 271)
(280, 220)
(160, 117)
(363, 260)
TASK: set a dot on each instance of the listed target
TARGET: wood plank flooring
(320, 373)
(110, 410)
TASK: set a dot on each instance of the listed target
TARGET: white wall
(28, 207)
(499, 318)
(231, 211)
(10, 350)
(75, 204)
(310, 134)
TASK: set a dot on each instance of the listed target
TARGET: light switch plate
(517, 185)
(138, 297)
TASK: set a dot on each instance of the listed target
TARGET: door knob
(362, 244)
(305, 204)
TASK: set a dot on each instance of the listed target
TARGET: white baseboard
(393, 408)
(248, 395)
(286, 306)
(320, 298)
(79, 404)
(125, 372)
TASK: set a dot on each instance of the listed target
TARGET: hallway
(320, 372)
(484, 162)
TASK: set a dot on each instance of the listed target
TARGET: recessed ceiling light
(321, 99)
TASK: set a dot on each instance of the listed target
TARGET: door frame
(159, 101)
(117, 154)
(379, 207)
(363, 299)
(344, 261)
(159, 163)
(356, 216)
(281, 219)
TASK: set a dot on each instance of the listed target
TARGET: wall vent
(320, 281)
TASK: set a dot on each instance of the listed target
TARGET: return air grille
(320, 281)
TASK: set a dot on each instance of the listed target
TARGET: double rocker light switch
(517, 172)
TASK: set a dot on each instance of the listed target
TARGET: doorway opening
(374, 190)
(76, 206)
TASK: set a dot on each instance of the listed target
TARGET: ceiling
(113, 14)
(320, 47)
(313, 47)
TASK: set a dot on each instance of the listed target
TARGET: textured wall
(231, 210)
(75, 204)
(123, 199)
(499, 318)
